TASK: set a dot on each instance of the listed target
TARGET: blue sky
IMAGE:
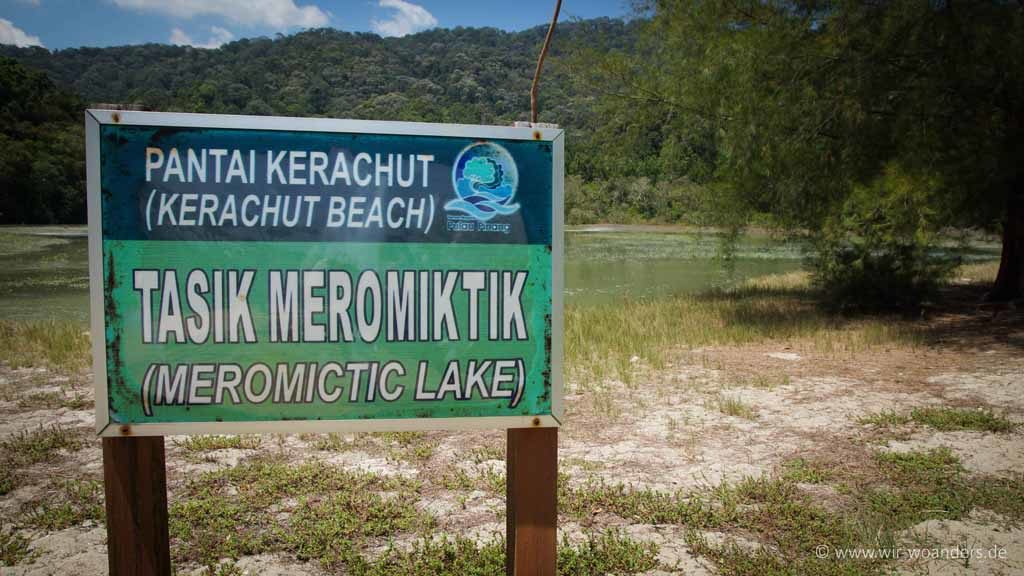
(208, 23)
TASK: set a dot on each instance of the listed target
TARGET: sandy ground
(663, 431)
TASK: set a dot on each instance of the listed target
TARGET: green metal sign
(254, 274)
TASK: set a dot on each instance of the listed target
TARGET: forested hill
(465, 75)
(469, 75)
(42, 157)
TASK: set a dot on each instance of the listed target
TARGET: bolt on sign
(260, 274)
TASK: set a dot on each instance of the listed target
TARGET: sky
(56, 24)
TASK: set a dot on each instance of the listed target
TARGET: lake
(606, 263)
(44, 274)
(44, 270)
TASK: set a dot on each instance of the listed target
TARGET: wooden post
(532, 501)
(135, 478)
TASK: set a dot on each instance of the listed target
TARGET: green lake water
(606, 264)
(44, 274)
(44, 270)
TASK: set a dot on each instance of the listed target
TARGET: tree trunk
(1010, 280)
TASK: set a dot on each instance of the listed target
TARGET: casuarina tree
(876, 128)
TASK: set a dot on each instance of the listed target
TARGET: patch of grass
(75, 502)
(492, 481)
(777, 511)
(443, 557)
(642, 506)
(786, 521)
(803, 471)
(581, 463)
(77, 402)
(789, 527)
(944, 419)
(609, 552)
(929, 466)
(54, 400)
(485, 478)
(457, 480)
(1001, 494)
(735, 406)
(947, 419)
(885, 418)
(313, 511)
(397, 446)
(47, 344)
(768, 382)
(29, 447)
(482, 454)
(888, 494)
(209, 443)
(399, 438)
(223, 568)
(737, 560)
(329, 528)
(7, 480)
(922, 485)
(601, 396)
(13, 547)
(601, 340)
(332, 442)
(925, 485)
(406, 445)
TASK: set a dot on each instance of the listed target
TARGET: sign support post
(532, 501)
(135, 480)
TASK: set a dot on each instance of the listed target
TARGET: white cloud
(11, 34)
(218, 37)
(276, 14)
(407, 19)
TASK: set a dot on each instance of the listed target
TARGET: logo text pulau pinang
(485, 179)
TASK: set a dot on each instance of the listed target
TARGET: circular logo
(485, 180)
